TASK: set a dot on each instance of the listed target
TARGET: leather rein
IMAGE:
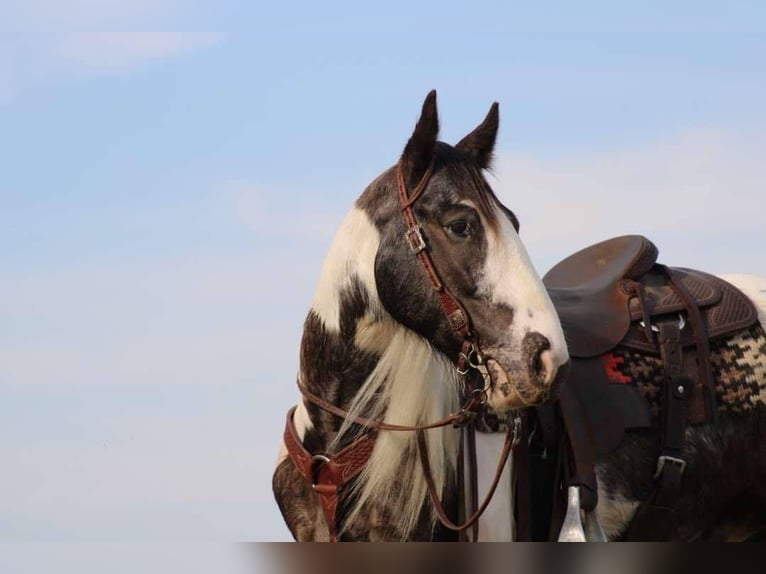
(330, 474)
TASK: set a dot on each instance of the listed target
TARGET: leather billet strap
(328, 474)
(670, 465)
(655, 518)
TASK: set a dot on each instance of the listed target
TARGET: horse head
(479, 259)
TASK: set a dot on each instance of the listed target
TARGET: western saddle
(614, 296)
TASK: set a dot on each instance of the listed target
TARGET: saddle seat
(602, 292)
(588, 291)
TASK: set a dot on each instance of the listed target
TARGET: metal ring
(479, 358)
(467, 359)
(316, 463)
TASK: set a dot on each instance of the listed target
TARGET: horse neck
(333, 367)
(332, 364)
(356, 356)
(383, 372)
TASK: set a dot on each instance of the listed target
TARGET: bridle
(457, 317)
(330, 474)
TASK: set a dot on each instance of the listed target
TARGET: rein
(329, 475)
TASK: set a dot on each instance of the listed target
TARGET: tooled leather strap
(328, 474)
(453, 310)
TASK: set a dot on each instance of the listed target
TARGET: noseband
(329, 475)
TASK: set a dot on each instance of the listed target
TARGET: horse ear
(481, 141)
(420, 147)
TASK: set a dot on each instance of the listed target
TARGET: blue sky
(166, 200)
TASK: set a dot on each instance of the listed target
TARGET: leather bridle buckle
(415, 239)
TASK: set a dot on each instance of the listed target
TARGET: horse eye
(460, 228)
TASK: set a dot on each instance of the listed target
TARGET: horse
(632, 394)
(426, 289)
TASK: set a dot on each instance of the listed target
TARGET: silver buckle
(671, 460)
(415, 239)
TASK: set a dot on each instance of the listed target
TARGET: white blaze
(509, 278)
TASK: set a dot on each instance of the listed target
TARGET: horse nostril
(541, 363)
(547, 370)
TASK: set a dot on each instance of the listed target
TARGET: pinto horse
(426, 288)
(429, 315)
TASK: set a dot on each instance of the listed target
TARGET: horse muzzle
(532, 379)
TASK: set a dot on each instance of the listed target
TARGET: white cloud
(121, 51)
(699, 195)
(54, 38)
(87, 14)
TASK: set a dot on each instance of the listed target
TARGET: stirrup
(573, 530)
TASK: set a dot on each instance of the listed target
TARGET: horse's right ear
(420, 148)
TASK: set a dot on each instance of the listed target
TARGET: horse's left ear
(481, 141)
